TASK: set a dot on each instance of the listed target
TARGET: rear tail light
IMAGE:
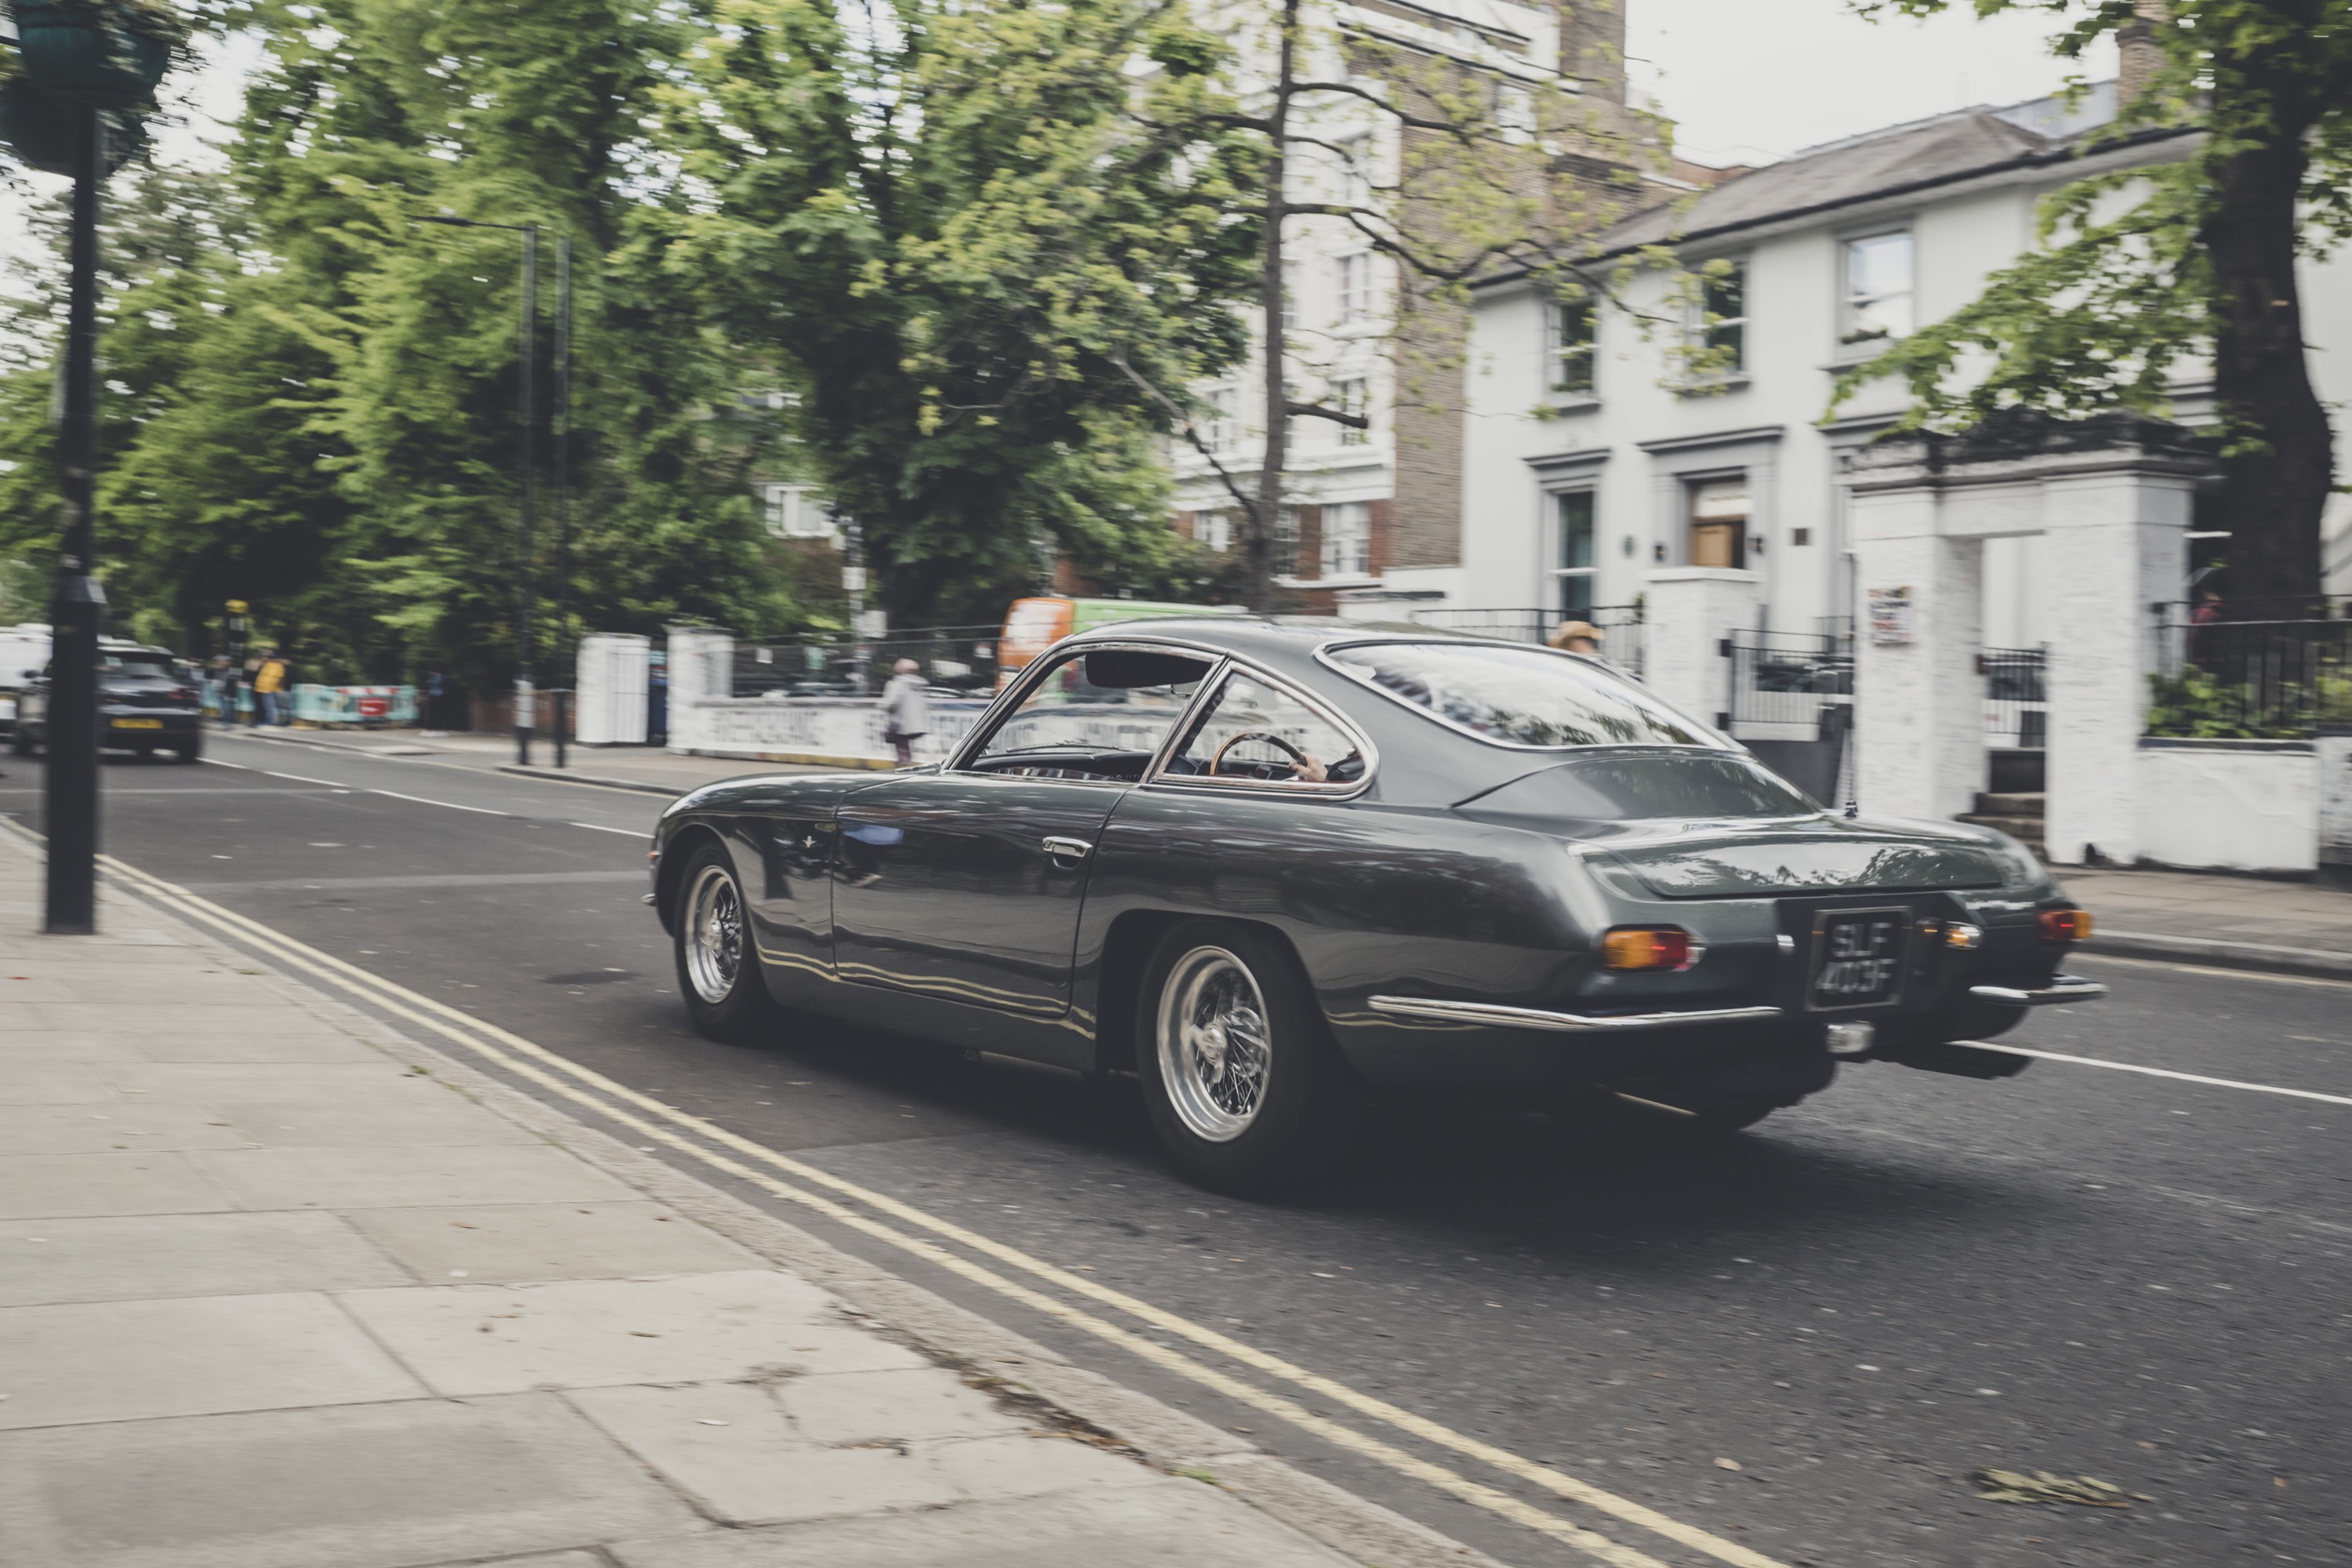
(1648, 947)
(2065, 925)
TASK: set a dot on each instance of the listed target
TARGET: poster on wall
(1890, 615)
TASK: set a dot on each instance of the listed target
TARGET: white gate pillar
(1687, 612)
(2118, 544)
(1918, 737)
(701, 669)
(2113, 495)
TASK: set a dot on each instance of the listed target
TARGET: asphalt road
(2092, 1272)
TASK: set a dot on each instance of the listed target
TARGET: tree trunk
(2277, 485)
(1260, 593)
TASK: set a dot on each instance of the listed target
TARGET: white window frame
(1851, 302)
(1561, 570)
(1703, 333)
(1558, 314)
(1348, 552)
(1352, 394)
(796, 511)
(1354, 275)
(1221, 428)
(1358, 168)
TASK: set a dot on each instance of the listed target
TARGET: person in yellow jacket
(269, 689)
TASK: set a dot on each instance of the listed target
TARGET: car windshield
(133, 667)
(1519, 696)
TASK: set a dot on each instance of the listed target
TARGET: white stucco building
(1586, 467)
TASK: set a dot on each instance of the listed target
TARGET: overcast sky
(1750, 80)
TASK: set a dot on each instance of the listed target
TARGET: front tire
(718, 961)
(1240, 1077)
(21, 743)
(190, 750)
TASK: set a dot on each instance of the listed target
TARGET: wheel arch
(671, 871)
(1127, 948)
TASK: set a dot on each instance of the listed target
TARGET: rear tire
(1240, 1077)
(190, 750)
(717, 959)
(21, 743)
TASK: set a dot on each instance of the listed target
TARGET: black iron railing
(2016, 697)
(2218, 677)
(1788, 677)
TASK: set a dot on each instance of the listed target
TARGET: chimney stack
(1592, 47)
(2139, 55)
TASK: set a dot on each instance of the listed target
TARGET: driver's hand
(1306, 769)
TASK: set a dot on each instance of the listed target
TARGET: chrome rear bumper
(1495, 1016)
(2061, 988)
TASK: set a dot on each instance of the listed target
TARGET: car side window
(1254, 733)
(1100, 713)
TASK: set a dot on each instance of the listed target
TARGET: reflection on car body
(1264, 864)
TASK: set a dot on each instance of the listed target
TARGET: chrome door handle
(1068, 848)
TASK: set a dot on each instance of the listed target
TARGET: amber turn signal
(2065, 925)
(1647, 947)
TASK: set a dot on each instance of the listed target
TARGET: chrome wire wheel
(1215, 1048)
(714, 934)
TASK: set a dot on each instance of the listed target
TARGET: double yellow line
(716, 1148)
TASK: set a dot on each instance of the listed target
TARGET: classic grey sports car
(1266, 865)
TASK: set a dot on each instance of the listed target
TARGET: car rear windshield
(1645, 786)
(1518, 696)
(132, 667)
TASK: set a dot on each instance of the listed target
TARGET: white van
(24, 653)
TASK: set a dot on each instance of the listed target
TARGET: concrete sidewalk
(2253, 922)
(273, 1297)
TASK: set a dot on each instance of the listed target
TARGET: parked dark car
(1267, 865)
(147, 702)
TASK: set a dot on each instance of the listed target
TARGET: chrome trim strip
(1564, 1023)
(2061, 988)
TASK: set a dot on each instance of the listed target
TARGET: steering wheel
(1305, 768)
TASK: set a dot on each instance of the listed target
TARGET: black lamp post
(525, 692)
(85, 69)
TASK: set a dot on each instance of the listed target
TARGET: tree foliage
(2191, 256)
(950, 226)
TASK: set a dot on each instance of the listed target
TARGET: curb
(324, 745)
(1166, 1438)
(2316, 962)
(604, 780)
(803, 759)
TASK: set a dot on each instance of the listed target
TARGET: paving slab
(507, 1243)
(445, 1119)
(466, 1340)
(260, 1013)
(1171, 1523)
(95, 1130)
(730, 1449)
(36, 1186)
(382, 1486)
(409, 1176)
(127, 1258)
(56, 1045)
(262, 1083)
(128, 1360)
(877, 1406)
(53, 1083)
(214, 1046)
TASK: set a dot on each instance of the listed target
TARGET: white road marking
(599, 827)
(300, 778)
(2160, 1072)
(453, 805)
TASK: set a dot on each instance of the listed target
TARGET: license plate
(138, 723)
(1859, 958)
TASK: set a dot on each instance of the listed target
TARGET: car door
(966, 884)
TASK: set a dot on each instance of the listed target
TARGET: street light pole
(78, 602)
(525, 694)
(561, 638)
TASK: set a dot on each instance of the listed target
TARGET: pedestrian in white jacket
(906, 711)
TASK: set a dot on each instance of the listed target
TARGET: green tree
(2141, 268)
(957, 229)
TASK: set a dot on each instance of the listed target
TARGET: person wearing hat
(1575, 637)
